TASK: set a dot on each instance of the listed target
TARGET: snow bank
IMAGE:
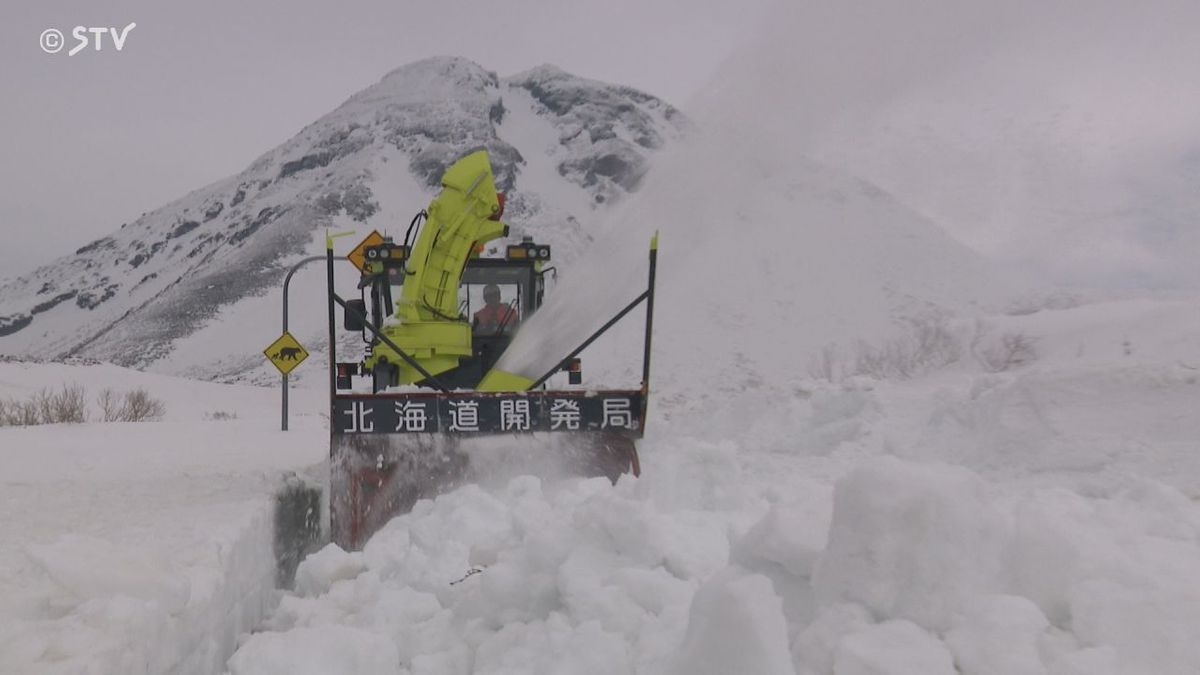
(141, 548)
(571, 577)
(89, 568)
(900, 568)
(97, 606)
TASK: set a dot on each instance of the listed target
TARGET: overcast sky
(1061, 136)
(200, 89)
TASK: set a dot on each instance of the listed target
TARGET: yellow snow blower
(435, 316)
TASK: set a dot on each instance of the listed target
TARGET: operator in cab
(495, 318)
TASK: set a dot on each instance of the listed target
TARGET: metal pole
(287, 282)
(283, 422)
(649, 328)
(332, 334)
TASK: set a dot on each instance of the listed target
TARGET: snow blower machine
(436, 315)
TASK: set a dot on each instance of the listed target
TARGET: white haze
(1058, 137)
(767, 255)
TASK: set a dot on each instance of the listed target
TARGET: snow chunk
(320, 570)
(893, 648)
(1054, 547)
(554, 646)
(736, 626)
(317, 651)
(910, 541)
(816, 645)
(999, 636)
(92, 568)
(1093, 661)
(1153, 630)
(791, 535)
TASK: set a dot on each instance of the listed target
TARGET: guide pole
(649, 327)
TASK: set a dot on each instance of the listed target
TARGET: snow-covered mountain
(563, 147)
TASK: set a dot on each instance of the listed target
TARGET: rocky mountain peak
(561, 145)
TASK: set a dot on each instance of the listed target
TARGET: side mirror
(352, 321)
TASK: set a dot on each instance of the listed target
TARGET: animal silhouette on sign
(287, 354)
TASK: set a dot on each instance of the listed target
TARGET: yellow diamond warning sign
(286, 353)
(357, 257)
